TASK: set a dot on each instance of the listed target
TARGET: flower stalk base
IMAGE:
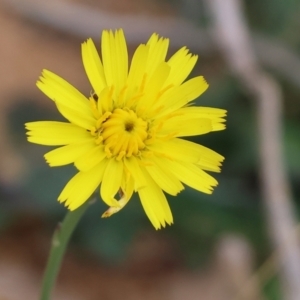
(59, 244)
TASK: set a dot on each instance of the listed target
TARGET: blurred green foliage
(273, 17)
(272, 290)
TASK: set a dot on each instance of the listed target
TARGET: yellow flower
(126, 136)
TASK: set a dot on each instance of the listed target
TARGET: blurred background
(218, 247)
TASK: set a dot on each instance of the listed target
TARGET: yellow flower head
(126, 136)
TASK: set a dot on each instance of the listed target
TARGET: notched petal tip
(47, 73)
(163, 225)
(205, 83)
(27, 125)
(70, 207)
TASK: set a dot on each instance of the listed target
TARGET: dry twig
(233, 38)
(235, 261)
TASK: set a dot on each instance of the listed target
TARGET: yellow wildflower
(126, 136)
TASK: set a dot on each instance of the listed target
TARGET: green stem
(60, 241)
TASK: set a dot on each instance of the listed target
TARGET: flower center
(122, 133)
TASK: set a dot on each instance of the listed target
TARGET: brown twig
(235, 260)
(232, 36)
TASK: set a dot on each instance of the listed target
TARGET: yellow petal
(191, 127)
(192, 175)
(203, 112)
(153, 86)
(111, 183)
(204, 119)
(72, 183)
(158, 78)
(61, 92)
(93, 66)
(121, 57)
(163, 177)
(90, 158)
(181, 95)
(158, 48)
(136, 173)
(76, 117)
(186, 151)
(155, 203)
(53, 133)
(68, 154)
(149, 209)
(216, 115)
(137, 69)
(181, 64)
(106, 102)
(81, 186)
(127, 186)
(115, 58)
